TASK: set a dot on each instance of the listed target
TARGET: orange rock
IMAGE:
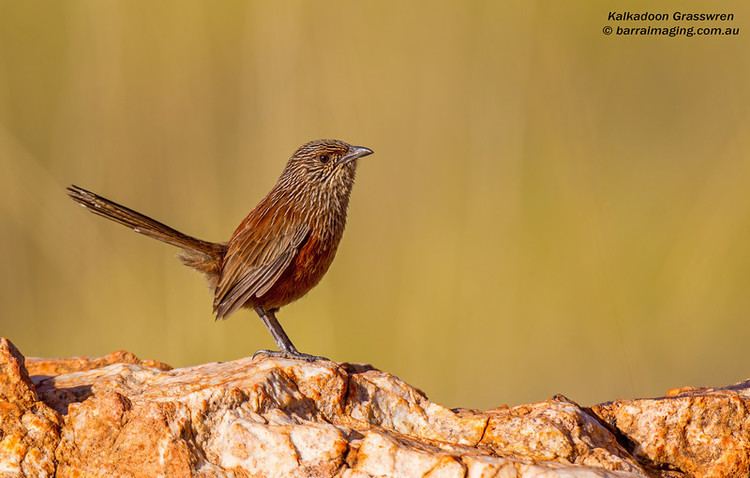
(703, 432)
(29, 429)
(269, 417)
(49, 367)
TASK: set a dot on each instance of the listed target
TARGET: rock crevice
(267, 417)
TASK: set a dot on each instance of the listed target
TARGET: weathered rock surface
(29, 429)
(702, 432)
(269, 417)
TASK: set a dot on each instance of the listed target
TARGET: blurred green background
(549, 209)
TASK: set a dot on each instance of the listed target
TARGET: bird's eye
(324, 158)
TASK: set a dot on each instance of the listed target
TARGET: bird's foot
(291, 355)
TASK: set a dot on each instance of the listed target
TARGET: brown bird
(281, 249)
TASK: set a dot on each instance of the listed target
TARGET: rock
(271, 417)
(29, 429)
(702, 432)
(46, 367)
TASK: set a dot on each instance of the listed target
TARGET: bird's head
(323, 166)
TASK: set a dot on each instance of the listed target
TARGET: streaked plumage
(281, 249)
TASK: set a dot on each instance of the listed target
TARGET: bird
(280, 250)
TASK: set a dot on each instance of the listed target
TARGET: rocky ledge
(268, 417)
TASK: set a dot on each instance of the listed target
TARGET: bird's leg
(286, 347)
(282, 339)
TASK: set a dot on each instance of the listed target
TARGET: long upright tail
(201, 255)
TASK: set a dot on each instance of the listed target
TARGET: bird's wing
(256, 257)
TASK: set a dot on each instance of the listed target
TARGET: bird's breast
(305, 271)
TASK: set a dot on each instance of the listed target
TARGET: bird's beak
(355, 152)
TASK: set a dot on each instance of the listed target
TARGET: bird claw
(290, 355)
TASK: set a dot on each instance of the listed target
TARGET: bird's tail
(201, 255)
